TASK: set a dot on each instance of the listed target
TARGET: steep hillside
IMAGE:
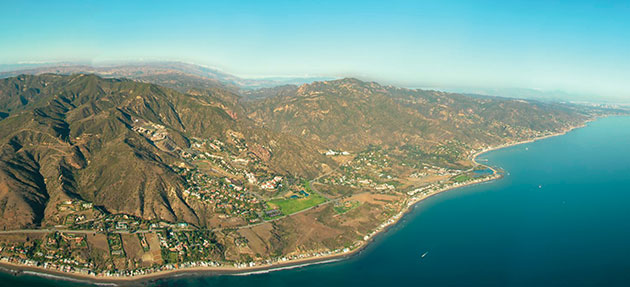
(355, 114)
(114, 143)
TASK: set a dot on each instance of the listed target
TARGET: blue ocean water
(560, 217)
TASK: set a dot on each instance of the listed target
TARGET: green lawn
(307, 187)
(292, 205)
(169, 257)
(462, 178)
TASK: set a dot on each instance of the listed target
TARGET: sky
(580, 47)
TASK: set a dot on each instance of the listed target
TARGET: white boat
(424, 254)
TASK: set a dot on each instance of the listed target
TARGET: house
(121, 225)
(273, 212)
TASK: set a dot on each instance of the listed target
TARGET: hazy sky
(576, 46)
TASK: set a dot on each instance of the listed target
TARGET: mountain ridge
(164, 73)
(396, 108)
(89, 120)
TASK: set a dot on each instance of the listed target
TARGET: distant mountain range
(541, 95)
(162, 71)
(146, 71)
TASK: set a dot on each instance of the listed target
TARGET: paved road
(82, 231)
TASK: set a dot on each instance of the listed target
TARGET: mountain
(84, 137)
(353, 114)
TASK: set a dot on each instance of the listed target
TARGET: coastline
(19, 269)
(506, 145)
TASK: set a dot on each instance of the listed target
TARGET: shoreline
(17, 269)
(20, 269)
(506, 145)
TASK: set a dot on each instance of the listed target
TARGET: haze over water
(560, 217)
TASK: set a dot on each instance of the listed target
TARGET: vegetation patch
(462, 178)
(344, 207)
(293, 205)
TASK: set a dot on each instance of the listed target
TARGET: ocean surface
(560, 217)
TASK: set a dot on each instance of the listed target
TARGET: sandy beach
(19, 269)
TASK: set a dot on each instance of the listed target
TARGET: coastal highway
(82, 231)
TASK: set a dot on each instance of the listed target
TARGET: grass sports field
(292, 205)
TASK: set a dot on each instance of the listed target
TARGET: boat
(424, 254)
